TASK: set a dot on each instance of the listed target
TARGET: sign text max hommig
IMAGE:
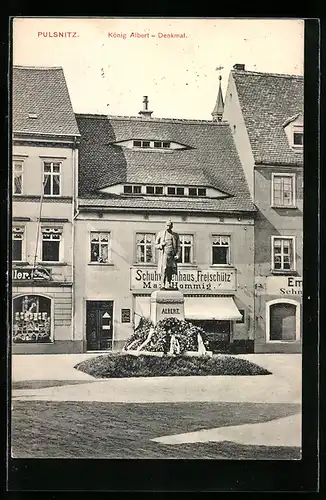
(209, 280)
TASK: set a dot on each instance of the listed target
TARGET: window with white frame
(186, 247)
(100, 247)
(51, 244)
(220, 249)
(283, 190)
(52, 178)
(283, 253)
(17, 243)
(17, 177)
(145, 247)
(297, 136)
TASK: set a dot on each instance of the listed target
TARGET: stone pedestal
(167, 304)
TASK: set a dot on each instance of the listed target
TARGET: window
(150, 190)
(221, 249)
(137, 144)
(166, 144)
(193, 191)
(283, 190)
(17, 184)
(132, 189)
(145, 247)
(157, 144)
(146, 144)
(154, 189)
(158, 189)
(171, 190)
(186, 245)
(151, 144)
(283, 253)
(17, 243)
(100, 247)
(51, 178)
(283, 320)
(180, 191)
(298, 136)
(31, 319)
(51, 239)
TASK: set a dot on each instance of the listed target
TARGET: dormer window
(293, 128)
(197, 191)
(298, 136)
(132, 189)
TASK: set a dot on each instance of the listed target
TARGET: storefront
(278, 314)
(41, 312)
(210, 302)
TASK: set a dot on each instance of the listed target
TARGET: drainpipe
(74, 215)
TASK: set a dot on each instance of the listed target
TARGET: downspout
(74, 215)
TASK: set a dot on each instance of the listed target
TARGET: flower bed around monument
(185, 333)
(122, 365)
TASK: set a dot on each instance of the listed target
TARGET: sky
(110, 76)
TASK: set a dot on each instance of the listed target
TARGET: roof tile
(43, 92)
(267, 101)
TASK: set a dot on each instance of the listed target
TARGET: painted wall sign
(188, 280)
(29, 274)
(283, 285)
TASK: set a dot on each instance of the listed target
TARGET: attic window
(298, 137)
(132, 189)
(32, 115)
(151, 144)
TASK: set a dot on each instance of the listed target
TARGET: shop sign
(188, 280)
(31, 274)
(283, 285)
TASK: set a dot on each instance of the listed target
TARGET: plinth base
(167, 304)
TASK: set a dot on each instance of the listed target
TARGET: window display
(31, 319)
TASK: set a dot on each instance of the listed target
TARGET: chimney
(145, 111)
(239, 67)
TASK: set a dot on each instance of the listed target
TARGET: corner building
(44, 174)
(134, 174)
(265, 112)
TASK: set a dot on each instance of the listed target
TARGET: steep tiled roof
(42, 92)
(267, 100)
(211, 160)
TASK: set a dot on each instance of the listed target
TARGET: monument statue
(168, 243)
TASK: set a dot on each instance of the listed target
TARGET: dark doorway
(99, 325)
(283, 322)
(217, 332)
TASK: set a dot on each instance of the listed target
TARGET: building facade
(265, 112)
(44, 177)
(134, 174)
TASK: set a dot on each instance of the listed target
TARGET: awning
(218, 308)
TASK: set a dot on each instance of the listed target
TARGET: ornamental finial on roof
(217, 112)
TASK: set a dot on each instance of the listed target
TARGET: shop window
(283, 190)
(31, 319)
(100, 247)
(283, 254)
(145, 247)
(220, 249)
(51, 244)
(186, 245)
(52, 178)
(17, 243)
(17, 178)
(282, 322)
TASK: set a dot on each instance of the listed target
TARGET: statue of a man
(168, 243)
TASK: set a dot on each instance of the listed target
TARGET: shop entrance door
(99, 325)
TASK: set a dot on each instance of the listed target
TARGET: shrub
(119, 365)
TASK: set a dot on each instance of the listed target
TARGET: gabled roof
(212, 160)
(42, 92)
(267, 100)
